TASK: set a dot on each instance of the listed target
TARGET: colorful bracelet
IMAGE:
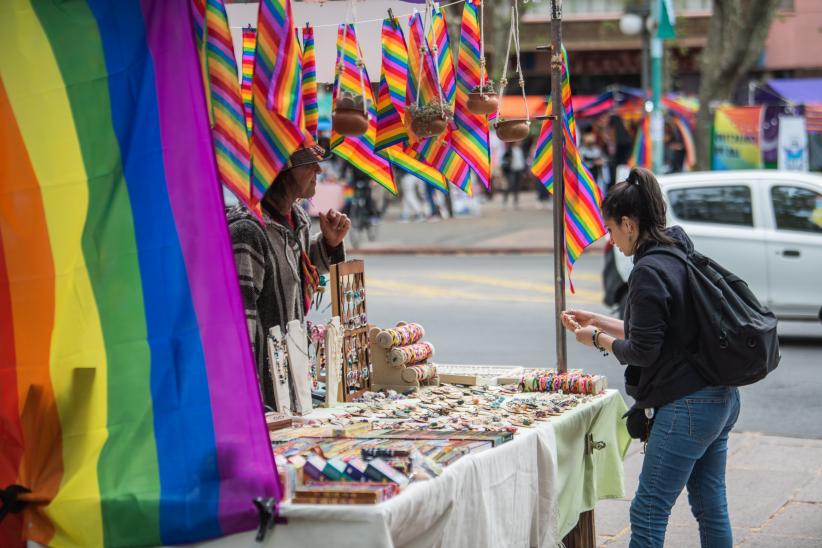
(594, 336)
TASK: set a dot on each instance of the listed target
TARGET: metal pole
(645, 70)
(559, 184)
(657, 124)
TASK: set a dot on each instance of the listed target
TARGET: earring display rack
(405, 376)
(348, 303)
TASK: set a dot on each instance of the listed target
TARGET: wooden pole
(559, 184)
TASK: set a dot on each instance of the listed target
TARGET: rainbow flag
(471, 139)
(438, 41)
(358, 151)
(428, 84)
(642, 155)
(225, 102)
(249, 45)
(129, 404)
(583, 218)
(276, 95)
(391, 134)
(312, 112)
(440, 154)
(391, 96)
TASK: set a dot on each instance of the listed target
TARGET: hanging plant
(483, 99)
(430, 119)
(350, 116)
(511, 131)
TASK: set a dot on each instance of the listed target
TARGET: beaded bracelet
(594, 335)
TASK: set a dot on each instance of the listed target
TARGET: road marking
(386, 288)
(508, 283)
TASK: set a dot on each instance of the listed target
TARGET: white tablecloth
(506, 496)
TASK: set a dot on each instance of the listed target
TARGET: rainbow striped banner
(225, 103)
(439, 38)
(641, 154)
(440, 154)
(249, 45)
(471, 138)
(583, 217)
(391, 97)
(358, 151)
(312, 112)
(276, 95)
(129, 404)
(429, 90)
(391, 134)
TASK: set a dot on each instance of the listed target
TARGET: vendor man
(278, 261)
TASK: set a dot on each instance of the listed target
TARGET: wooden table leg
(583, 535)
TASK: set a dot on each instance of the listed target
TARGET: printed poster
(793, 144)
(737, 138)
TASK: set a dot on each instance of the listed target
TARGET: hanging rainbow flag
(249, 45)
(429, 90)
(438, 38)
(391, 134)
(312, 112)
(391, 96)
(358, 151)
(129, 404)
(225, 102)
(641, 155)
(276, 95)
(583, 218)
(440, 154)
(471, 139)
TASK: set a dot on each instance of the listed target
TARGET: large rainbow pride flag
(129, 405)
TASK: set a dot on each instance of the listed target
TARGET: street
(498, 310)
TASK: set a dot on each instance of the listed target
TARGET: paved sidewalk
(526, 229)
(774, 496)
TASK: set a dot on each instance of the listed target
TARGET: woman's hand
(584, 335)
(334, 226)
(574, 319)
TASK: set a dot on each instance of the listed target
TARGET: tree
(736, 34)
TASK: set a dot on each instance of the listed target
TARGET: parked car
(764, 226)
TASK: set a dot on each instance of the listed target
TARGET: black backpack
(737, 342)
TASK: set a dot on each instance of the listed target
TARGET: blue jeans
(688, 445)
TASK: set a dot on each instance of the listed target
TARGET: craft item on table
(314, 466)
(421, 372)
(277, 421)
(355, 470)
(278, 361)
(287, 473)
(402, 335)
(479, 375)
(299, 367)
(344, 493)
(411, 354)
(333, 361)
(349, 304)
(379, 470)
(571, 382)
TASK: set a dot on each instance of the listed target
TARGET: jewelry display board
(348, 303)
(333, 361)
(299, 366)
(278, 360)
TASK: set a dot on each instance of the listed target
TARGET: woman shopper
(688, 440)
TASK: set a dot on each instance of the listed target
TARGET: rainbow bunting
(429, 87)
(312, 112)
(358, 151)
(471, 139)
(225, 102)
(391, 96)
(249, 45)
(440, 154)
(441, 44)
(129, 403)
(276, 95)
(583, 218)
(641, 155)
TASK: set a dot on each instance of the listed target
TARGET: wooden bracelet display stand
(386, 376)
(348, 303)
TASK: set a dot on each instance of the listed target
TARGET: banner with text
(737, 133)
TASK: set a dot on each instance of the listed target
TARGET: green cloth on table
(585, 479)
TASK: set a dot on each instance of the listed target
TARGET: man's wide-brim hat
(309, 155)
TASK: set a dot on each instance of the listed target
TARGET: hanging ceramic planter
(430, 119)
(483, 100)
(511, 131)
(349, 118)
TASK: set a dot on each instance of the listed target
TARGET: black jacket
(660, 323)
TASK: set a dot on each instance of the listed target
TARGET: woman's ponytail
(639, 197)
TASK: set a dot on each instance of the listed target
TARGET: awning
(796, 91)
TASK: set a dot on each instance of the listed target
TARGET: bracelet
(594, 336)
